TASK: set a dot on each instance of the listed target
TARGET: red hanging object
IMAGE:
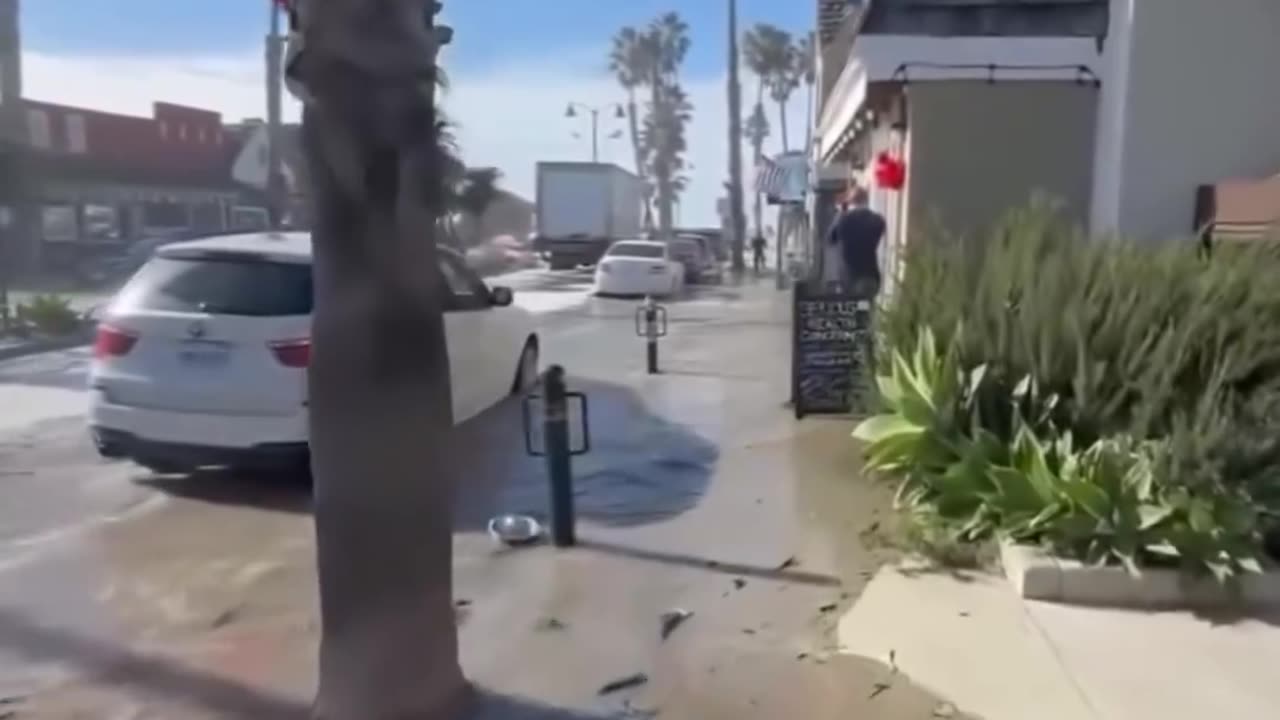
(890, 173)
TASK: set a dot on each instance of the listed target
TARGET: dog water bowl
(513, 529)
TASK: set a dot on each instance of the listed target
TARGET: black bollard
(651, 324)
(559, 468)
(651, 336)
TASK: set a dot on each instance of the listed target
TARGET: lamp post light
(618, 112)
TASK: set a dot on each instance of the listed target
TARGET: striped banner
(771, 178)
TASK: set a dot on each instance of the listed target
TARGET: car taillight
(292, 353)
(112, 342)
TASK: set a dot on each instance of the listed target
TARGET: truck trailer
(582, 208)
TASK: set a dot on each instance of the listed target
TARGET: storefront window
(58, 224)
(165, 215)
(102, 223)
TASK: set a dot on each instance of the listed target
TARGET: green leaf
(882, 427)
(1249, 565)
(1153, 515)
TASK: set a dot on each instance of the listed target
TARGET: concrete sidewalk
(968, 636)
(702, 494)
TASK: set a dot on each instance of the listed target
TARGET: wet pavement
(701, 493)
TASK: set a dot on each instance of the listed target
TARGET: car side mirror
(501, 296)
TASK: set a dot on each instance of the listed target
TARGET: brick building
(97, 181)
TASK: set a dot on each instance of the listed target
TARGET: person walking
(854, 240)
(757, 252)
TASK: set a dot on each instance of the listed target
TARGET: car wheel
(526, 369)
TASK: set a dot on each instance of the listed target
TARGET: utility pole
(735, 145)
(275, 81)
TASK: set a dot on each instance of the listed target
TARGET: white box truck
(582, 208)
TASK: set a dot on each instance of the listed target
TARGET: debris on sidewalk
(790, 562)
(828, 608)
(224, 618)
(739, 583)
(624, 683)
(672, 619)
(945, 710)
(551, 624)
(9, 706)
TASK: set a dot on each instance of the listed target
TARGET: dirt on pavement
(751, 532)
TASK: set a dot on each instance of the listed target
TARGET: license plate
(204, 355)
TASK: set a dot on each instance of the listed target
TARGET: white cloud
(509, 116)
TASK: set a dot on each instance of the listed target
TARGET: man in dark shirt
(757, 252)
(857, 234)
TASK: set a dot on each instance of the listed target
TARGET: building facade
(99, 181)
(1119, 109)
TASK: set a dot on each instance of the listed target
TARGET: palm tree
(631, 61)
(806, 71)
(667, 39)
(479, 190)
(770, 54)
(380, 399)
(757, 130)
(673, 44)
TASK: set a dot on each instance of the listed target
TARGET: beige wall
(1201, 105)
(979, 148)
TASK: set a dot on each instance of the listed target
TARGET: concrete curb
(43, 345)
(1036, 575)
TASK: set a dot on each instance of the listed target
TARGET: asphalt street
(52, 483)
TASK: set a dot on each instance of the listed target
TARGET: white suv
(201, 359)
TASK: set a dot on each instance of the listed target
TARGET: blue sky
(515, 65)
(509, 28)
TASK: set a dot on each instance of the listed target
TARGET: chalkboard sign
(831, 353)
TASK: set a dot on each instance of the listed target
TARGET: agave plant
(1115, 500)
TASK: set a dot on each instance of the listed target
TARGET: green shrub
(50, 315)
(1117, 402)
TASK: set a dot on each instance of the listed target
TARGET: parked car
(709, 267)
(719, 245)
(639, 267)
(201, 359)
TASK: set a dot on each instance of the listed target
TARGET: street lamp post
(572, 112)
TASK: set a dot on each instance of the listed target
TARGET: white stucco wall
(1202, 104)
(1108, 161)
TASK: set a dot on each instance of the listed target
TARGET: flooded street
(701, 495)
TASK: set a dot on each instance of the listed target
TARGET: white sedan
(639, 267)
(202, 358)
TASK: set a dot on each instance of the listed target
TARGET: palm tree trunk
(736, 213)
(661, 160)
(782, 123)
(633, 119)
(758, 210)
(380, 403)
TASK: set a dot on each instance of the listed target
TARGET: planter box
(1036, 575)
